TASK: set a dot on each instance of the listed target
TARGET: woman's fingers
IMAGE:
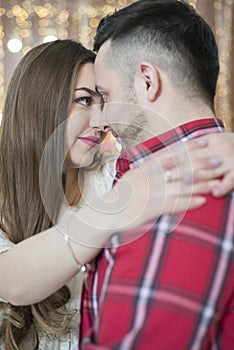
(201, 159)
(180, 188)
(197, 170)
(175, 205)
(225, 185)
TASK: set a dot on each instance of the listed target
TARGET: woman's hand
(205, 158)
(143, 194)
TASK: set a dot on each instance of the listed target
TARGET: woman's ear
(151, 79)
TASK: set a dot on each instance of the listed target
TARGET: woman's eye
(85, 100)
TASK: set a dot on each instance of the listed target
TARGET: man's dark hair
(172, 36)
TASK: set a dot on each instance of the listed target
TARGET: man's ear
(151, 80)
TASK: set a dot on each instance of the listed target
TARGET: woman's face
(81, 141)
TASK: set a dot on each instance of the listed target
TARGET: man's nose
(97, 120)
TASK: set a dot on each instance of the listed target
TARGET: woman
(53, 82)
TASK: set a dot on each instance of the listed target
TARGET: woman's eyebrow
(91, 92)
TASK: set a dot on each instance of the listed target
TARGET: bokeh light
(49, 38)
(14, 45)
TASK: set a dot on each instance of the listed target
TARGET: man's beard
(135, 130)
(135, 133)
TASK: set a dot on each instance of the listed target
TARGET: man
(173, 286)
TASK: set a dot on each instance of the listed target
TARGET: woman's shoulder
(5, 243)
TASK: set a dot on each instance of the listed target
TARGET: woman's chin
(82, 162)
(92, 162)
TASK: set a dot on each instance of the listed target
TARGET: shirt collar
(135, 155)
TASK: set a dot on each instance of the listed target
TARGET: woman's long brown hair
(38, 100)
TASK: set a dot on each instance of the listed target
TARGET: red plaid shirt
(167, 289)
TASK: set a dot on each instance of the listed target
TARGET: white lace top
(96, 183)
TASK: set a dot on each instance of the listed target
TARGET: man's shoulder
(209, 223)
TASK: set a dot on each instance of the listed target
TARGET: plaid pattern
(173, 287)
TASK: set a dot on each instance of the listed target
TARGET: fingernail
(202, 142)
(217, 192)
(215, 160)
(188, 178)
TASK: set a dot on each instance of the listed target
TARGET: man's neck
(178, 110)
(158, 123)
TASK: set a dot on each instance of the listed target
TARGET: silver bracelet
(85, 267)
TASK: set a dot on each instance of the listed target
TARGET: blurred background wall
(25, 24)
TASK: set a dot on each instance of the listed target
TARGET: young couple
(55, 117)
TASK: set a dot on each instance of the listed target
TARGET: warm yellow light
(19, 12)
(1, 90)
(94, 23)
(2, 11)
(48, 6)
(108, 9)
(25, 33)
(76, 16)
(217, 5)
(63, 16)
(122, 3)
(10, 14)
(44, 22)
(26, 49)
(42, 31)
(86, 30)
(91, 11)
(41, 11)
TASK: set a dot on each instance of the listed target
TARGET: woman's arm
(38, 266)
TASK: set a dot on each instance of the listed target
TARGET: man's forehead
(100, 58)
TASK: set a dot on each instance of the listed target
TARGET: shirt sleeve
(5, 244)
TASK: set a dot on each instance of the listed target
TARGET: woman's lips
(91, 141)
